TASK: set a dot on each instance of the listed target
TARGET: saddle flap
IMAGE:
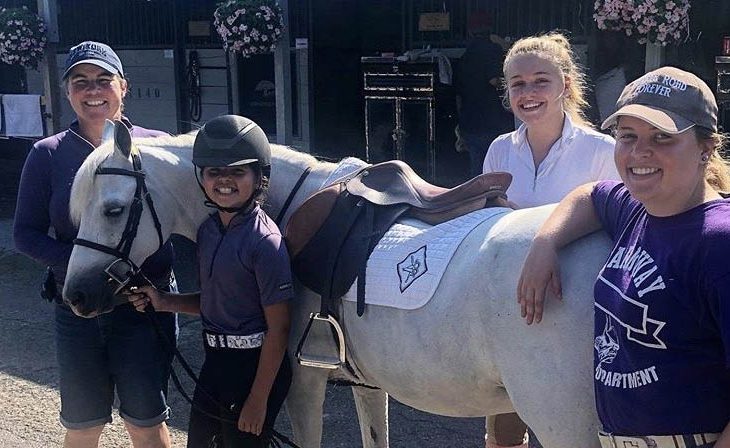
(309, 217)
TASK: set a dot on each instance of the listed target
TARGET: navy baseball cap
(96, 53)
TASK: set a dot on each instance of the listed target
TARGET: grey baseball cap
(95, 53)
(670, 99)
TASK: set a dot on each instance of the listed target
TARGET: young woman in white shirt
(554, 150)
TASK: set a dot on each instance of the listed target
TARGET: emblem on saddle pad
(412, 267)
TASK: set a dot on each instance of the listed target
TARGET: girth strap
(369, 225)
(338, 252)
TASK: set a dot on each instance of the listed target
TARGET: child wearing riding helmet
(662, 299)
(245, 289)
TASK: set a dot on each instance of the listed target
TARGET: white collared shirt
(579, 156)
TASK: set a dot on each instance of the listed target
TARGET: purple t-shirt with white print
(662, 318)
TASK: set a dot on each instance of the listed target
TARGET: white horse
(466, 353)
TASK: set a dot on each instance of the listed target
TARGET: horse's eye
(112, 212)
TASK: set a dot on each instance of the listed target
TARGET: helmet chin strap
(211, 203)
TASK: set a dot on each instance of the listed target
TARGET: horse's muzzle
(91, 292)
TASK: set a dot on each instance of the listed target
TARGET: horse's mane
(287, 153)
(83, 183)
(293, 156)
(161, 147)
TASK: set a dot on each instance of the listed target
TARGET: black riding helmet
(232, 140)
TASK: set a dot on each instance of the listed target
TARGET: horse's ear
(122, 138)
(108, 134)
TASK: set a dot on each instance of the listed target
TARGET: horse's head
(109, 206)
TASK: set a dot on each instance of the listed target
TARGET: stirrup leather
(322, 361)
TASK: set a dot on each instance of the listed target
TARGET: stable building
(364, 78)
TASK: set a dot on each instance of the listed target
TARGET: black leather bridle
(122, 270)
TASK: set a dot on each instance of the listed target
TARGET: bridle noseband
(123, 270)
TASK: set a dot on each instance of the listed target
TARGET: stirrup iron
(322, 361)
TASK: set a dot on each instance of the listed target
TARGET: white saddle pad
(406, 266)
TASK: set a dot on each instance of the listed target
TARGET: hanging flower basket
(249, 26)
(655, 21)
(22, 37)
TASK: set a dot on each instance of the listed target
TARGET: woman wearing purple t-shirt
(245, 289)
(662, 300)
(116, 351)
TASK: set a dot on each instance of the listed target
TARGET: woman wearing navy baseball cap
(113, 352)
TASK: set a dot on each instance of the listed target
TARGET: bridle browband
(123, 270)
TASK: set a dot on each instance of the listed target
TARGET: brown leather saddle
(332, 234)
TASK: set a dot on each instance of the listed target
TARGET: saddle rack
(323, 361)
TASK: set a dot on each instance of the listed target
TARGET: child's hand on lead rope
(141, 296)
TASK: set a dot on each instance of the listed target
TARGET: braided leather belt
(678, 441)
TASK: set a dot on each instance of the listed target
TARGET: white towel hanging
(22, 114)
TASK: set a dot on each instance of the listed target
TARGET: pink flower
(654, 20)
